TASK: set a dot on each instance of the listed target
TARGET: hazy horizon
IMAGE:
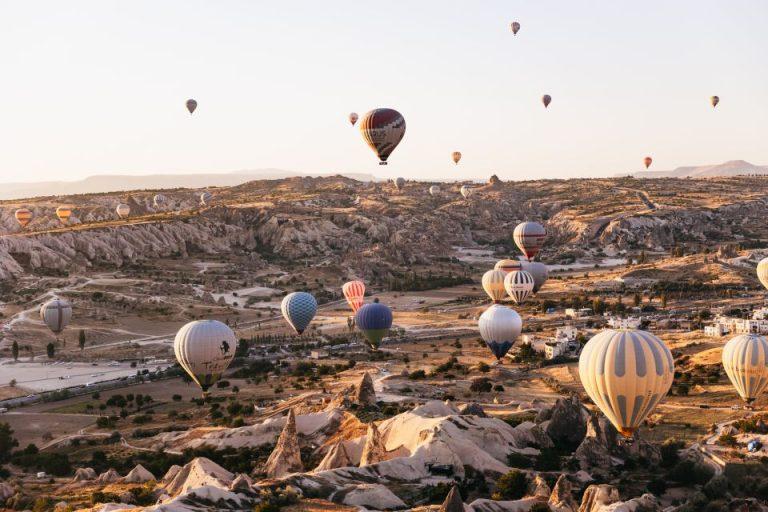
(100, 88)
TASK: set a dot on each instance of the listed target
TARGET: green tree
(638, 300)
(511, 486)
(15, 350)
(7, 442)
(51, 350)
(81, 339)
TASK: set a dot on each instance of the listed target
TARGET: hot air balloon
(204, 348)
(539, 272)
(647, 161)
(714, 100)
(206, 198)
(353, 118)
(762, 272)
(499, 327)
(299, 309)
(519, 285)
(159, 200)
(508, 265)
(626, 373)
(515, 27)
(63, 213)
(529, 238)
(546, 100)
(191, 105)
(400, 183)
(382, 130)
(123, 210)
(56, 314)
(745, 360)
(465, 191)
(456, 155)
(434, 191)
(493, 284)
(374, 321)
(354, 292)
(23, 216)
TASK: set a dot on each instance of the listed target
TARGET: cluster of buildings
(562, 344)
(723, 325)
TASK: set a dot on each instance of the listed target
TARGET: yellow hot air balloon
(63, 213)
(626, 373)
(456, 155)
(745, 360)
(762, 272)
(493, 284)
(23, 216)
(204, 348)
(714, 100)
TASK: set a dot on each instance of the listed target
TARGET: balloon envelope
(353, 117)
(434, 190)
(206, 198)
(299, 308)
(714, 100)
(123, 210)
(158, 200)
(499, 327)
(204, 348)
(647, 161)
(626, 373)
(493, 284)
(745, 360)
(546, 100)
(191, 105)
(63, 213)
(519, 285)
(382, 130)
(374, 320)
(400, 183)
(456, 156)
(354, 292)
(539, 272)
(508, 265)
(465, 191)
(515, 27)
(23, 216)
(762, 272)
(529, 238)
(56, 314)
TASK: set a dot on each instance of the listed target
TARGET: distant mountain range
(730, 168)
(115, 183)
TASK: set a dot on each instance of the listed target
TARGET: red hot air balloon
(647, 161)
(382, 130)
(546, 100)
(354, 292)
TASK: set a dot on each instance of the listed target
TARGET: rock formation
(452, 502)
(365, 394)
(171, 474)
(138, 475)
(337, 457)
(473, 409)
(374, 450)
(566, 421)
(561, 499)
(598, 496)
(109, 476)
(84, 474)
(199, 472)
(286, 457)
(241, 482)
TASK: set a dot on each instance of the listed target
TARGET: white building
(552, 349)
(578, 313)
(318, 354)
(537, 344)
(567, 332)
(632, 322)
(716, 330)
(730, 325)
(760, 314)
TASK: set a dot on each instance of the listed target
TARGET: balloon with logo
(204, 348)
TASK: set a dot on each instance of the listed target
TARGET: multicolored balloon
(204, 348)
(493, 284)
(745, 360)
(374, 320)
(529, 238)
(354, 292)
(23, 216)
(191, 105)
(382, 130)
(299, 308)
(519, 285)
(626, 373)
(456, 156)
(499, 327)
(546, 100)
(63, 213)
(56, 314)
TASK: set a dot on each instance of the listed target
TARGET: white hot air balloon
(56, 314)
(434, 191)
(499, 327)
(626, 373)
(123, 210)
(745, 359)
(508, 265)
(466, 191)
(159, 200)
(204, 348)
(539, 272)
(762, 272)
(206, 198)
(519, 285)
(493, 284)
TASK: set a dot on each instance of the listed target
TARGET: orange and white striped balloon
(354, 292)
(63, 213)
(23, 216)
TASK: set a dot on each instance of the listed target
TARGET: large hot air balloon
(745, 359)
(762, 272)
(204, 348)
(353, 117)
(400, 183)
(539, 272)
(63, 213)
(123, 210)
(299, 309)
(191, 105)
(159, 200)
(519, 285)
(546, 100)
(647, 161)
(374, 321)
(354, 292)
(493, 284)
(529, 238)
(714, 100)
(434, 191)
(508, 265)
(206, 198)
(456, 156)
(515, 27)
(56, 314)
(383, 129)
(626, 373)
(499, 327)
(23, 216)
(465, 191)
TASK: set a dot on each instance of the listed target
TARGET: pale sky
(98, 87)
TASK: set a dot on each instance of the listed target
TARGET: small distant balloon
(647, 161)
(56, 314)
(353, 117)
(123, 210)
(23, 216)
(515, 27)
(465, 191)
(434, 191)
(191, 105)
(456, 156)
(714, 100)
(546, 100)
(63, 213)
(206, 198)
(158, 200)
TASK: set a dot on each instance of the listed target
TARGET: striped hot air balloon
(23, 216)
(539, 272)
(499, 327)
(382, 130)
(159, 200)
(63, 213)
(626, 373)
(529, 238)
(56, 314)
(374, 320)
(204, 348)
(354, 292)
(299, 308)
(519, 285)
(508, 265)
(493, 284)
(745, 360)
(762, 272)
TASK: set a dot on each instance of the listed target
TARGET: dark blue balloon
(373, 316)
(499, 348)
